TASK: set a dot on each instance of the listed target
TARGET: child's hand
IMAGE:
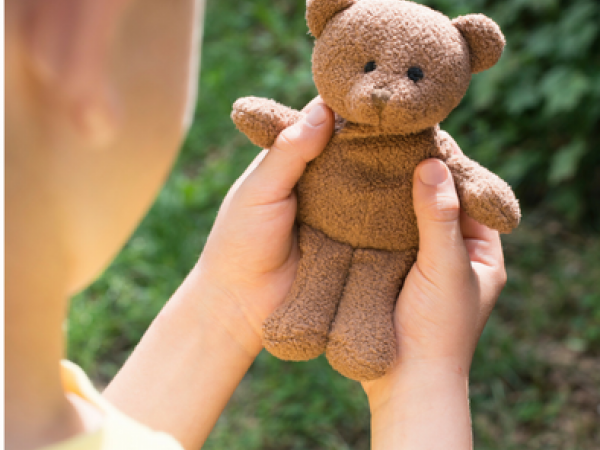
(442, 309)
(458, 275)
(250, 259)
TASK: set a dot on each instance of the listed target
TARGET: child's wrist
(412, 378)
(416, 398)
(216, 311)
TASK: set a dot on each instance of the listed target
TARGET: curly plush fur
(391, 70)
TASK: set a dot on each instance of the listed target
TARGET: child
(98, 96)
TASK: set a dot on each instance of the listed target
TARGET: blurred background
(534, 119)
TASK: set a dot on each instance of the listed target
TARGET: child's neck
(38, 413)
(37, 410)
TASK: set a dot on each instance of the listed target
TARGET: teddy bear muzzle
(380, 97)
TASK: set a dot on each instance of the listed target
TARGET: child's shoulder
(116, 431)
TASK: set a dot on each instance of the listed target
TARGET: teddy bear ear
(485, 40)
(319, 12)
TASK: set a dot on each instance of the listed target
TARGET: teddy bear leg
(298, 329)
(362, 341)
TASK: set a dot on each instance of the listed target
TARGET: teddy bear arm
(483, 195)
(262, 119)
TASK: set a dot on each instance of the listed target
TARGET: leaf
(565, 162)
(564, 87)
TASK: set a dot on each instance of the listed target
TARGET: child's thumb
(437, 209)
(297, 145)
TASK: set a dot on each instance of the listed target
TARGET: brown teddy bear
(391, 70)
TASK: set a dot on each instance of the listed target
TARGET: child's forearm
(421, 407)
(188, 364)
(192, 358)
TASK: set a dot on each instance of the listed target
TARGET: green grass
(535, 380)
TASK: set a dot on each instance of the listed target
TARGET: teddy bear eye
(370, 66)
(415, 73)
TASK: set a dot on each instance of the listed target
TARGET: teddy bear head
(395, 65)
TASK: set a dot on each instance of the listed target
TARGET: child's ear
(486, 41)
(319, 12)
(69, 43)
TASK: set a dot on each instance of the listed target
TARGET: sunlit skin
(98, 98)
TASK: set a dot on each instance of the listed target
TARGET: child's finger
(437, 209)
(283, 165)
(483, 243)
(256, 162)
(472, 229)
(313, 102)
(487, 260)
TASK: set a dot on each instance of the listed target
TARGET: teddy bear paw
(370, 362)
(294, 347)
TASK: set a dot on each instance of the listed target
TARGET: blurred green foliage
(533, 119)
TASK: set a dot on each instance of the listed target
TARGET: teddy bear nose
(380, 97)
